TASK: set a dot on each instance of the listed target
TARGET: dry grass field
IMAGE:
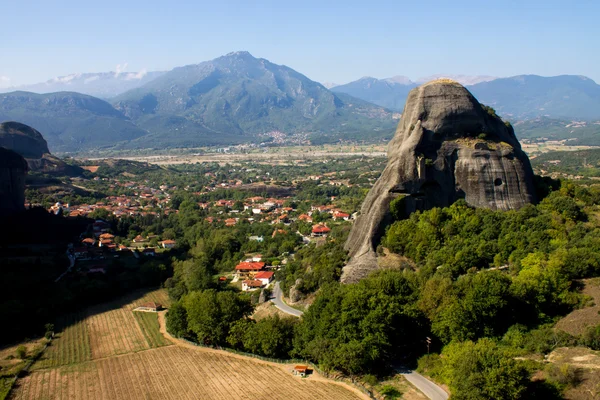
(578, 321)
(113, 352)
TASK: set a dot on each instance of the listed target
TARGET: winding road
(429, 389)
(279, 303)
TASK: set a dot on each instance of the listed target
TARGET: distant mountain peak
(400, 79)
(462, 79)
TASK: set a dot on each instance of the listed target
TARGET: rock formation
(30, 144)
(447, 147)
(13, 171)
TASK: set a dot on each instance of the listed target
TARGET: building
(301, 370)
(150, 307)
(265, 277)
(320, 230)
(249, 268)
(168, 244)
(251, 284)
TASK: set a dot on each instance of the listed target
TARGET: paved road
(279, 303)
(429, 389)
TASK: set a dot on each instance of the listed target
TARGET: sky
(328, 41)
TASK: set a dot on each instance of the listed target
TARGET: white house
(265, 277)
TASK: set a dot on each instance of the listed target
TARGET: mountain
(531, 96)
(584, 133)
(104, 84)
(447, 147)
(70, 121)
(516, 98)
(390, 93)
(465, 80)
(246, 97)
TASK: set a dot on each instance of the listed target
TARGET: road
(279, 303)
(429, 389)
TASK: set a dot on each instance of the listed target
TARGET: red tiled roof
(320, 229)
(264, 275)
(250, 266)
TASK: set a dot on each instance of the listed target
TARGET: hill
(70, 121)
(102, 84)
(530, 96)
(583, 133)
(390, 93)
(248, 97)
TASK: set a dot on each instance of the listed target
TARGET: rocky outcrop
(30, 144)
(13, 171)
(23, 139)
(446, 147)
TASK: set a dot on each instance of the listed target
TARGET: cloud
(120, 68)
(4, 81)
(133, 76)
(91, 79)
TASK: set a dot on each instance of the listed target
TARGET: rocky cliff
(13, 171)
(446, 147)
(30, 144)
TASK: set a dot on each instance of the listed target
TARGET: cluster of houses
(144, 202)
(253, 274)
(272, 210)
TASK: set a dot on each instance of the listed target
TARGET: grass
(148, 322)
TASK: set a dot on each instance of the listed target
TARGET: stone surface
(447, 147)
(295, 294)
(13, 171)
(23, 139)
(30, 144)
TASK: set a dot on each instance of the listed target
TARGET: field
(578, 321)
(112, 352)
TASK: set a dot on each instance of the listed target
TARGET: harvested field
(105, 330)
(112, 352)
(175, 373)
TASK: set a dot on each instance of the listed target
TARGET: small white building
(265, 277)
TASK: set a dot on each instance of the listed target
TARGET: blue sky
(336, 41)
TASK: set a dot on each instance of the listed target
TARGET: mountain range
(238, 98)
(518, 97)
(103, 85)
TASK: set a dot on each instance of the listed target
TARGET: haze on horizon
(331, 41)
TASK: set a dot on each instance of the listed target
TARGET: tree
(211, 314)
(482, 370)
(22, 352)
(177, 323)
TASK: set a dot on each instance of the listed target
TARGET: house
(256, 238)
(320, 230)
(88, 241)
(305, 218)
(265, 277)
(107, 236)
(150, 307)
(251, 284)
(301, 370)
(168, 244)
(230, 222)
(340, 215)
(97, 270)
(248, 268)
(139, 239)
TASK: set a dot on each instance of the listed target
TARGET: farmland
(112, 352)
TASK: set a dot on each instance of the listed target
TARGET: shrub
(22, 352)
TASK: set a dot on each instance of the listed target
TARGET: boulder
(447, 147)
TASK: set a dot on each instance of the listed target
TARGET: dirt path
(162, 323)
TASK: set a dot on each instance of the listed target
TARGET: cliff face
(447, 147)
(23, 139)
(13, 171)
(30, 144)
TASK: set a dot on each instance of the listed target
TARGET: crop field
(113, 352)
(175, 372)
(105, 330)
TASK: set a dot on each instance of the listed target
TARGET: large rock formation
(13, 171)
(30, 144)
(447, 147)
